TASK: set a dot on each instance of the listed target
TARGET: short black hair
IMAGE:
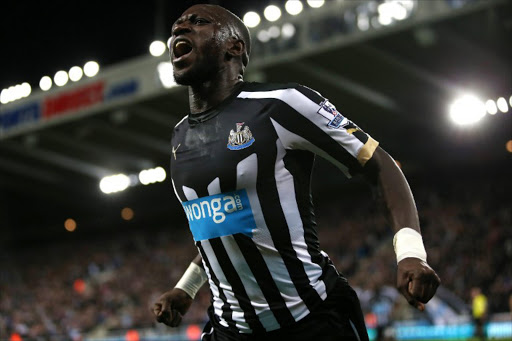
(245, 35)
(241, 31)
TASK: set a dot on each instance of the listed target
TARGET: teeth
(181, 48)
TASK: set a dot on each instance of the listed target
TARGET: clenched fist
(171, 306)
(417, 281)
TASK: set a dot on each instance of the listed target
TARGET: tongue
(182, 49)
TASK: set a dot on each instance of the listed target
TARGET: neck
(207, 94)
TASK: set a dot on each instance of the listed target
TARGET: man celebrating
(241, 167)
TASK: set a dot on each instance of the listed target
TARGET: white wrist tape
(409, 243)
(192, 280)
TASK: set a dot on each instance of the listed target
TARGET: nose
(180, 28)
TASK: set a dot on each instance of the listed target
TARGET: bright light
(45, 83)
(15, 92)
(26, 89)
(75, 73)
(149, 176)
(127, 213)
(508, 146)
(263, 36)
(70, 225)
(18, 92)
(114, 183)
(288, 30)
(157, 48)
(363, 22)
(467, 110)
(91, 69)
(274, 32)
(252, 19)
(391, 10)
(293, 7)
(4, 95)
(165, 74)
(491, 107)
(272, 13)
(385, 20)
(502, 104)
(61, 78)
(316, 3)
(510, 101)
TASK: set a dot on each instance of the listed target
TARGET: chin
(183, 78)
(196, 73)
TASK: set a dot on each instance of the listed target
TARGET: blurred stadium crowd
(96, 286)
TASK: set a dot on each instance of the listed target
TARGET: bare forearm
(396, 193)
(198, 260)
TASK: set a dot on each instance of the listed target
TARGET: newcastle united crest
(241, 138)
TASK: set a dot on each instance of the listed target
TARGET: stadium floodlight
(15, 92)
(75, 73)
(152, 175)
(467, 110)
(4, 96)
(26, 89)
(316, 3)
(502, 104)
(263, 36)
(114, 183)
(491, 107)
(274, 32)
(165, 74)
(288, 30)
(45, 83)
(19, 92)
(272, 13)
(391, 10)
(60, 78)
(91, 68)
(252, 19)
(293, 7)
(363, 22)
(385, 20)
(157, 48)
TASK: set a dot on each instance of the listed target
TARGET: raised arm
(416, 280)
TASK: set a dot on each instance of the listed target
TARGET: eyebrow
(190, 17)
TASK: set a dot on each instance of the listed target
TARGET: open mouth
(181, 48)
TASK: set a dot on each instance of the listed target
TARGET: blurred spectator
(95, 287)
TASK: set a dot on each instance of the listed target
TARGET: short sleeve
(306, 120)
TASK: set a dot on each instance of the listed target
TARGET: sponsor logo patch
(329, 111)
(220, 215)
(241, 138)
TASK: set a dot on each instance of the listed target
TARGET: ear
(236, 47)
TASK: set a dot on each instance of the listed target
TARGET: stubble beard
(195, 75)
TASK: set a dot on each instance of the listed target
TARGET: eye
(200, 21)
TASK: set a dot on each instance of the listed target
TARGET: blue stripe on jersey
(220, 215)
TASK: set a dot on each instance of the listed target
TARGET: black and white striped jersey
(242, 173)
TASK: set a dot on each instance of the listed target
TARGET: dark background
(469, 52)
